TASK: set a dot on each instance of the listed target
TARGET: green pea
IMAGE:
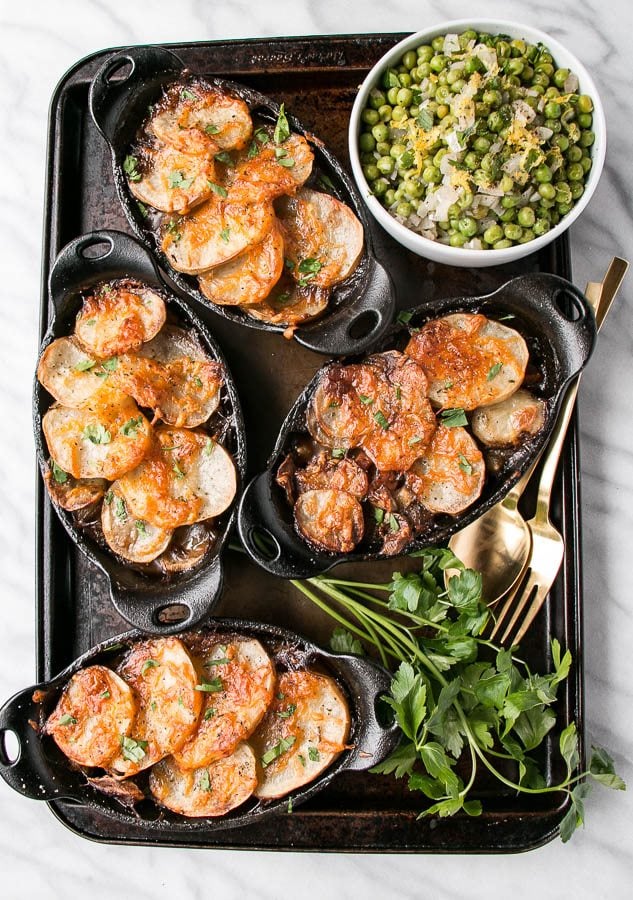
(506, 184)
(371, 172)
(380, 187)
(472, 160)
(385, 113)
(410, 59)
(563, 193)
(392, 95)
(467, 226)
(385, 165)
(369, 116)
(575, 172)
(376, 98)
(527, 74)
(457, 240)
(527, 236)
(367, 159)
(514, 66)
(585, 162)
(552, 93)
(547, 204)
(480, 177)
(443, 94)
(510, 201)
(390, 197)
(413, 189)
(405, 79)
(495, 121)
(482, 110)
(547, 191)
(560, 76)
(555, 217)
(513, 232)
(503, 244)
(494, 99)
(380, 132)
(508, 215)
(442, 78)
(552, 110)
(573, 132)
(425, 53)
(442, 111)
(543, 174)
(465, 200)
(438, 43)
(540, 79)
(541, 226)
(545, 66)
(482, 144)
(453, 75)
(518, 47)
(458, 85)
(439, 156)
(585, 103)
(366, 142)
(585, 120)
(577, 190)
(404, 209)
(503, 49)
(526, 217)
(493, 233)
(431, 175)
(383, 148)
(561, 141)
(468, 35)
(586, 138)
(438, 63)
(564, 208)
(554, 125)
(473, 64)
(399, 114)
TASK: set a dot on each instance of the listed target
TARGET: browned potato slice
(164, 680)
(505, 423)
(337, 474)
(332, 520)
(216, 232)
(303, 732)
(401, 418)
(450, 475)
(188, 547)
(323, 238)
(200, 119)
(119, 318)
(71, 493)
(249, 277)
(131, 538)
(172, 343)
(336, 416)
(242, 677)
(70, 374)
(94, 710)
(470, 360)
(186, 478)
(212, 790)
(291, 304)
(103, 440)
(173, 181)
(275, 170)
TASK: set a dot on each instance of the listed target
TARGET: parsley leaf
(213, 686)
(282, 129)
(225, 234)
(382, 420)
(177, 180)
(130, 167)
(132, 750)
(425, 119)
(97, 434)
(343, 641)
(130, 428)
(59, 475)
(68, 720)
(494, 371)
(281, 747)
(453, 418)
(218, 189)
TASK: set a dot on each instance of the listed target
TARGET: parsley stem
(353, 584)
(328, 609)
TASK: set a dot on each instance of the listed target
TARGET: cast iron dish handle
(109, 96)
(273, 544)
(30, 772)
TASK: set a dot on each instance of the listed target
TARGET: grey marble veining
(38, 857)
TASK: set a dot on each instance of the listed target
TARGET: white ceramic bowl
(457, 256)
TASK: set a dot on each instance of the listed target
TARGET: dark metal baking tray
(316, 77)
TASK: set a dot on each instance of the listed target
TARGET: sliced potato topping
(331, 519)
(336, 415)
(240, 679)
(201, 119)
(173, 181)
(290, 304)
(70, 374)
(119, 318)
(323, 238)
(72, 493)
(216, 232)
(94, 710)
(504, 424)
(105, 439)
(249, 277)
(449, 477)
(337, 474)
(212, 790)
(186, 478)
(164, 680)
(303, 732)
(129, 537)
(470, 360)
(274, 170)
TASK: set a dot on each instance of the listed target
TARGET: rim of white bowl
(458, 255)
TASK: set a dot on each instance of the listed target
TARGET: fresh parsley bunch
(455, 694)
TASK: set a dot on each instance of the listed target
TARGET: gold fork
(548, 546)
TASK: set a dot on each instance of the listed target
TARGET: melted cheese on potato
(242, 677)
(290, 304)
(70, 374)
(268, 174)
(470, 360)
(164, 679)
(94, 710)
(330, 519)
(173, 181)
(449, 476)
(200, 119)
(211, 790)
(504, 424)
(303, 732)
(249, 277)
(129, 537)
(119, 318)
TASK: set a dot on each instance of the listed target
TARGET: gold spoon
(498, 544)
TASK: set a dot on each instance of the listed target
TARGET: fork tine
(532, 612)
(520, 604)
(508, 600)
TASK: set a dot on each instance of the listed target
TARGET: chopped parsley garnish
(209, 447)
(282, 299)
(393, 523)
(145, 213)
(398, 392)
(84, 364)
(286, 161)
(404, 317)
(110, 364)
(308, 268)
(464, 465)
(177, 180)
(172, 228)
(132, 750)
(218, 189)
(147, 665)
(109, 496)
(197, 381)
(414, 440)
(211, 687)
(211, 129)
(448, 385)
(68, 720)
(154, 705)
(425, 119)
(91, 322)
(204, 783)
(286, 713)
(382, 420)
(218, 661)
(186, 94)
(494, 371)
(97, 434)
(338, 453)
(453, 418)
(289, 805)
(313, 754)
(282, 129)
(278, 750)
(225, 234)
(326, 182)
(106, 695)
(140, 526)
(224, 157)
(379, 515)
(177, 470)
(130, 428)
(59, 475)
(301, 759)
(119, 509)
(209, 714)
(281, 696)
(365, 400)
(130, 167)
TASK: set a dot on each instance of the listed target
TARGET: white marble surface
(38, 857)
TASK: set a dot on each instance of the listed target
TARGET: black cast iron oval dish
(360, 308)
(556, 321)
(144, 600)
(42, 772)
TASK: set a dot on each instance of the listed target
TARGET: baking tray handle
(171, 611)
(271, 543)
(357, 326)
(25, 769)
(120, 77)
